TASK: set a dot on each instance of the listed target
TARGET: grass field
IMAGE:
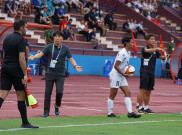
(155, 124)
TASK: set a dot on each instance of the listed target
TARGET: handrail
(167, 4)
(28, 24)
(172, 29)
(101, 51)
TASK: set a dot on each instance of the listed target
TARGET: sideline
(99, 124)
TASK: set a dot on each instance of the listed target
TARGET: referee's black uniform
(147, 71)
(12, 73)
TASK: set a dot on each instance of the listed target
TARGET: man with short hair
(109, 20)
(56, 54)
(14, 70)
(118, 80)
(147, 73)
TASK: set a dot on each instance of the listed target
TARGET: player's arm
(73, 62)
(37, 56)
(151, 50)
(116, 66)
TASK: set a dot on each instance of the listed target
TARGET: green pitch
(154, 124)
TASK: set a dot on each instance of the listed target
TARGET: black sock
(1, 101)
(58, 99)
(23, 111)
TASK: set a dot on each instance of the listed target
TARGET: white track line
(99, 124)
(83, 108)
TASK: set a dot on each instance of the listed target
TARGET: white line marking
(99, 124)
(82, 108)
(105, 88)
(164, 94)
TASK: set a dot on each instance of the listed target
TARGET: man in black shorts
(56, 54)
(147, 73)
(14, 71)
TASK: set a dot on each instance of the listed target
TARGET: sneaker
(137, 108)
(133, 115)
(45, 115)
(113, 115)
(140, 111)
(148, 111)
(56, 110)
(28, 125)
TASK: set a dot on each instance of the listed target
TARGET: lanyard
(53, 52)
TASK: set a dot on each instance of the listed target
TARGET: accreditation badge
(146, 62)
(53, 63)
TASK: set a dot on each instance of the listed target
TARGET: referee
(56, 54)
(14, 70)
(147, 73)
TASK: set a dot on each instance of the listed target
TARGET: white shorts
(117, 81)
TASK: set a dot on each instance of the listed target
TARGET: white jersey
(123, 56)
(116, 79)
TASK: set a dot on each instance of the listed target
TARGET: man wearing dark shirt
(147, 71)
(56, 54)
(109, 20)
(14, 70)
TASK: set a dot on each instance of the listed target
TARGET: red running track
(87, 95)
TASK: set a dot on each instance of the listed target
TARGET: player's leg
(148, 93)
(124, 87)
(3, 95)
(114, 85)
(20, 92)
(128, 102)
(6, 84)
(110, 101)
(59, 94)
(140, 99)
(144, 82)
(47, 96)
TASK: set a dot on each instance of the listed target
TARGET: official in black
(56, 54)
(147, 73)
(14, 71)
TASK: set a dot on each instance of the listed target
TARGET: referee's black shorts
(11, 75)
(147, 81)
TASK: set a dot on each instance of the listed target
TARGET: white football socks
(145, 107)
(128, 104)
(110, 104)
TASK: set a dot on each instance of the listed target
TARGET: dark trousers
(112, 25)
(141, 32)
(50, 80)
(86, 34)
(73, 5)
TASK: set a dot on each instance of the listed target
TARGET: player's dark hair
(149, 36)
(18, 24)
(125, 40)
(58, 33)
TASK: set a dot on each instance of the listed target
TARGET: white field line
(83, 108)
(99, 124)
(66, 107)
(164, 94)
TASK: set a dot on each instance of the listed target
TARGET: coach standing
(14, 71)
(56, 54)
(147, 73)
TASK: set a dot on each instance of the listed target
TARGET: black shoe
(137, 108)
(45, 115)
(113, 115)
(133, 115)
(28, 125)
(148, 111)
(56, 109)
(140, 111)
